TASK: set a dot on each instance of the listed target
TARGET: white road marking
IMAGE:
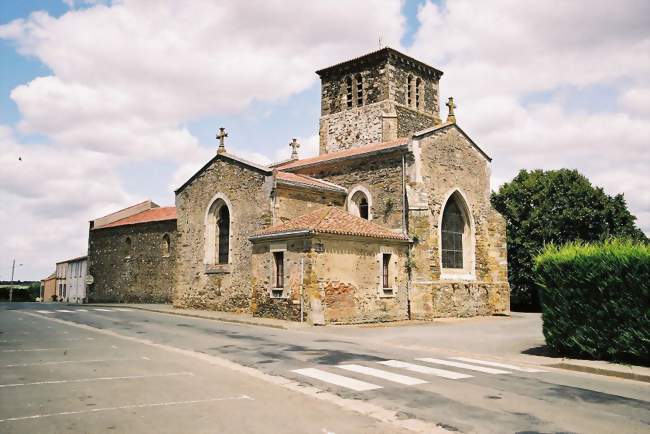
(18, 341)
(65, 362)
(339, 380)
(26, 350)
(365, 408)
(397, 378)
(82, 310)
(123, 309)
(127, 407)
(463, 366)
(425, 369)
(65, 310)
(498, 365)
(85, 380)
(103, 310)
(45, 311)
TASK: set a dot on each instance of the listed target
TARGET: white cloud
(496, 53)
(48, 197)
(126, 76)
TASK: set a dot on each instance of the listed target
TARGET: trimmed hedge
(596, 299)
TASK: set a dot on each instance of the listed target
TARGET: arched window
(359, 82)
(418, 98)
(409, 90)
(217, 231)
(348, 89)
(359, 203)
(166, 245)
(456, 239)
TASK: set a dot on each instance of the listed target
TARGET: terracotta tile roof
(347, 153)
(150, 215)
(331, 220)
(307, 181)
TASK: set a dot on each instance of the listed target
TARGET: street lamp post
(11, 288)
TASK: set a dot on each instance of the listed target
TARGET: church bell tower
(375, 98)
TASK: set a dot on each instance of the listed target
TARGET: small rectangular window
(278, 258)
(385, 265)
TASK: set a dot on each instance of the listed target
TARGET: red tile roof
(331, 220)
(347, 153)
(304, 180)
(150, 215)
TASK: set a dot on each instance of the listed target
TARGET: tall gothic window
(223, 229)
(453, 231)
(418, 96)
(359, 82)
(348, 89)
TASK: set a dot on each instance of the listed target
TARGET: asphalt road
(85, 369)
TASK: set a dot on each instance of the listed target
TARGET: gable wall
(249, 193)
(448, 161)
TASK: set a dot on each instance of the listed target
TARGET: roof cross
(222, 139)
(451, 118)
(294, 151)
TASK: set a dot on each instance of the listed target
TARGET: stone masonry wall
(449, 162)
(287, 307)
(411, 121)
(345, 277)
(141, 274)
(291, 203)
(354, 127)
(380, 175)
(349, 278)
(248, 191)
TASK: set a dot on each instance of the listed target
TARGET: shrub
(596, 299)
(554, 206)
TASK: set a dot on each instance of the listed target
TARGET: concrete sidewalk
(233, 317)
(505, 338)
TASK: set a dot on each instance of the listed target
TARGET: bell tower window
(418, 99)
(348, 88)
(359, 82)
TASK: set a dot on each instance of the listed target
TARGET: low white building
(71, 280)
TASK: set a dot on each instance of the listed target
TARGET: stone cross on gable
(222, 139)
(294, 151)
(451, 117)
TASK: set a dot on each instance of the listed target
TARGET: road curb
(197, 315)
(601, 371)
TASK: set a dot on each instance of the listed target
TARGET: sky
(104, 104)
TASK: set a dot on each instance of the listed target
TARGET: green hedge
(596, 300)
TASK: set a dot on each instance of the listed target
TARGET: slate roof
(347, 153)
(294, 179)
(151, 215)
(330, 220)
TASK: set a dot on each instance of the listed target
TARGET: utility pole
(11, 288)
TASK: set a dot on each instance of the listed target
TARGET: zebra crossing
(424, 367)
(114, 309)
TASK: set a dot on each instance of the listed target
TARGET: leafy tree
(555, 206)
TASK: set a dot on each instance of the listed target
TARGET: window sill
(217, 269)
(459, 276)
(384, 293)
(280, 294)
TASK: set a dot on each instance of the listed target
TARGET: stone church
(391, 221)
